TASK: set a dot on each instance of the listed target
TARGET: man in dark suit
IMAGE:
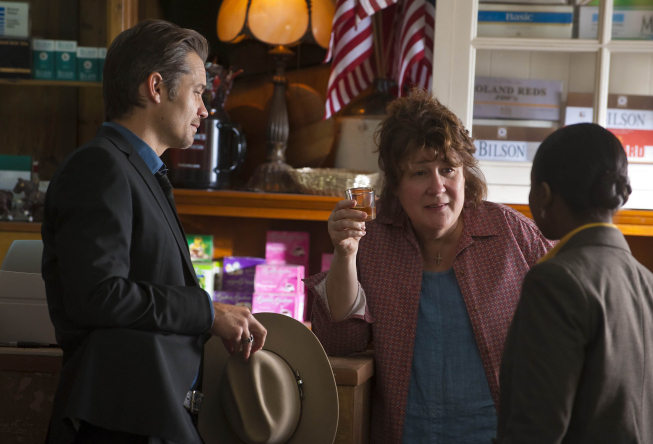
(123, 296)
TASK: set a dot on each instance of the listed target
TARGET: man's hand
(235, 325)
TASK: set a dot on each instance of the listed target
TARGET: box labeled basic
(505, 98)
(43, 59)
(87, 64)
(238, 273)
(101, 56)
(14, 19)
(65, 63)
(279, 279)
(507, 20)
(286, 304)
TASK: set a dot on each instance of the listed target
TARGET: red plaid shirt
(496, 249)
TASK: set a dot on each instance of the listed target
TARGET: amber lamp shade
(276, 22)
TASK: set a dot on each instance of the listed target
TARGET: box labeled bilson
(279, 279)
(14, 19)
(101, 56)
(15, 58)
(87, 64)
(238, 273)
(505, 98)
(65, 63)
(541, 21)
(508, 143)
(629, 117)
(628, 22)
(284, 303)
(43, 59)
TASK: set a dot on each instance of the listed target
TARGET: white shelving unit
(601, 67)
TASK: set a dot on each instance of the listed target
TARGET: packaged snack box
(204, 272)
(279, 279)
(233, 298)
(200, 246)
(287, 247)
(238, 273)
(286, 304)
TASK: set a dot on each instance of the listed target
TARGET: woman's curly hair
(420, 122)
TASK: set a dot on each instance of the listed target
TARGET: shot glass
(365, 200)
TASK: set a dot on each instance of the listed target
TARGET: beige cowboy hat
(286, 393)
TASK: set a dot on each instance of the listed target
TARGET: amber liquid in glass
(371, 211)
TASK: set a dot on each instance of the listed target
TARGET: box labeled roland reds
(284, 303)
(506, 98)
(279, 279)
(65, 63)
(629, 117)
(532, 21)
(508, 143)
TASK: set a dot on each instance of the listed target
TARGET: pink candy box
(279, 279)
(326, 261)
(287, 304)
(287, 247)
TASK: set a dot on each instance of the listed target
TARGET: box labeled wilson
(279, 279)
(87, 64)
(629, 117)
(200, 246)
(505, 98)
(508, 143)
(43, 59)
(291, 305)
(14, 19)
(542, 21)
(628, 22)
(65, 63)
(15, 58)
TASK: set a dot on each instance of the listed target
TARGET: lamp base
(272, 177)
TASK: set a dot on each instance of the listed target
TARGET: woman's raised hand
(346, 227)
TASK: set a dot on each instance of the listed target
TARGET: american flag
(351, 48)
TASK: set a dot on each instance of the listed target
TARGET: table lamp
(280, 23)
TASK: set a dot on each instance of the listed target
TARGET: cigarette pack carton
(200, 246)
(284, 303)
(279, 279)
(233, 298)
(101, 56)
(628, 22)
(15, 58)
(14, 19)
(43, 59)
(541, 21)
(508, 143)
(65, 63)
(506, 98)
(287, 247)
(87, 66)
(238, 273)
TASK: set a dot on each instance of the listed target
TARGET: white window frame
(454, 64)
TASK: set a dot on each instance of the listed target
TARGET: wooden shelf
(306, 207)
(32, 82)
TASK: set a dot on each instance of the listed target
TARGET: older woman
(434, 281)
(578, 361)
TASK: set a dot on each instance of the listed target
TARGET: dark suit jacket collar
(139, 164)
(597, 236)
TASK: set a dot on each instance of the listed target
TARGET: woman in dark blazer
(578, 362)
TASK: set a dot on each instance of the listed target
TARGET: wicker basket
(333, 181)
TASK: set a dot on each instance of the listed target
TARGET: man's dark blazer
(123, 297)
(578, 362)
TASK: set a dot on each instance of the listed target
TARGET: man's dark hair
(586, 166)
(150, 46)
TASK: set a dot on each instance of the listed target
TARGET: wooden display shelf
(307, 207)
(32, 82)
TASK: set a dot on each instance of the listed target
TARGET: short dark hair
(417, 122)
(586, 166)
(150, 46)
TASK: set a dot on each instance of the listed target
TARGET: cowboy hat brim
(299, 347)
